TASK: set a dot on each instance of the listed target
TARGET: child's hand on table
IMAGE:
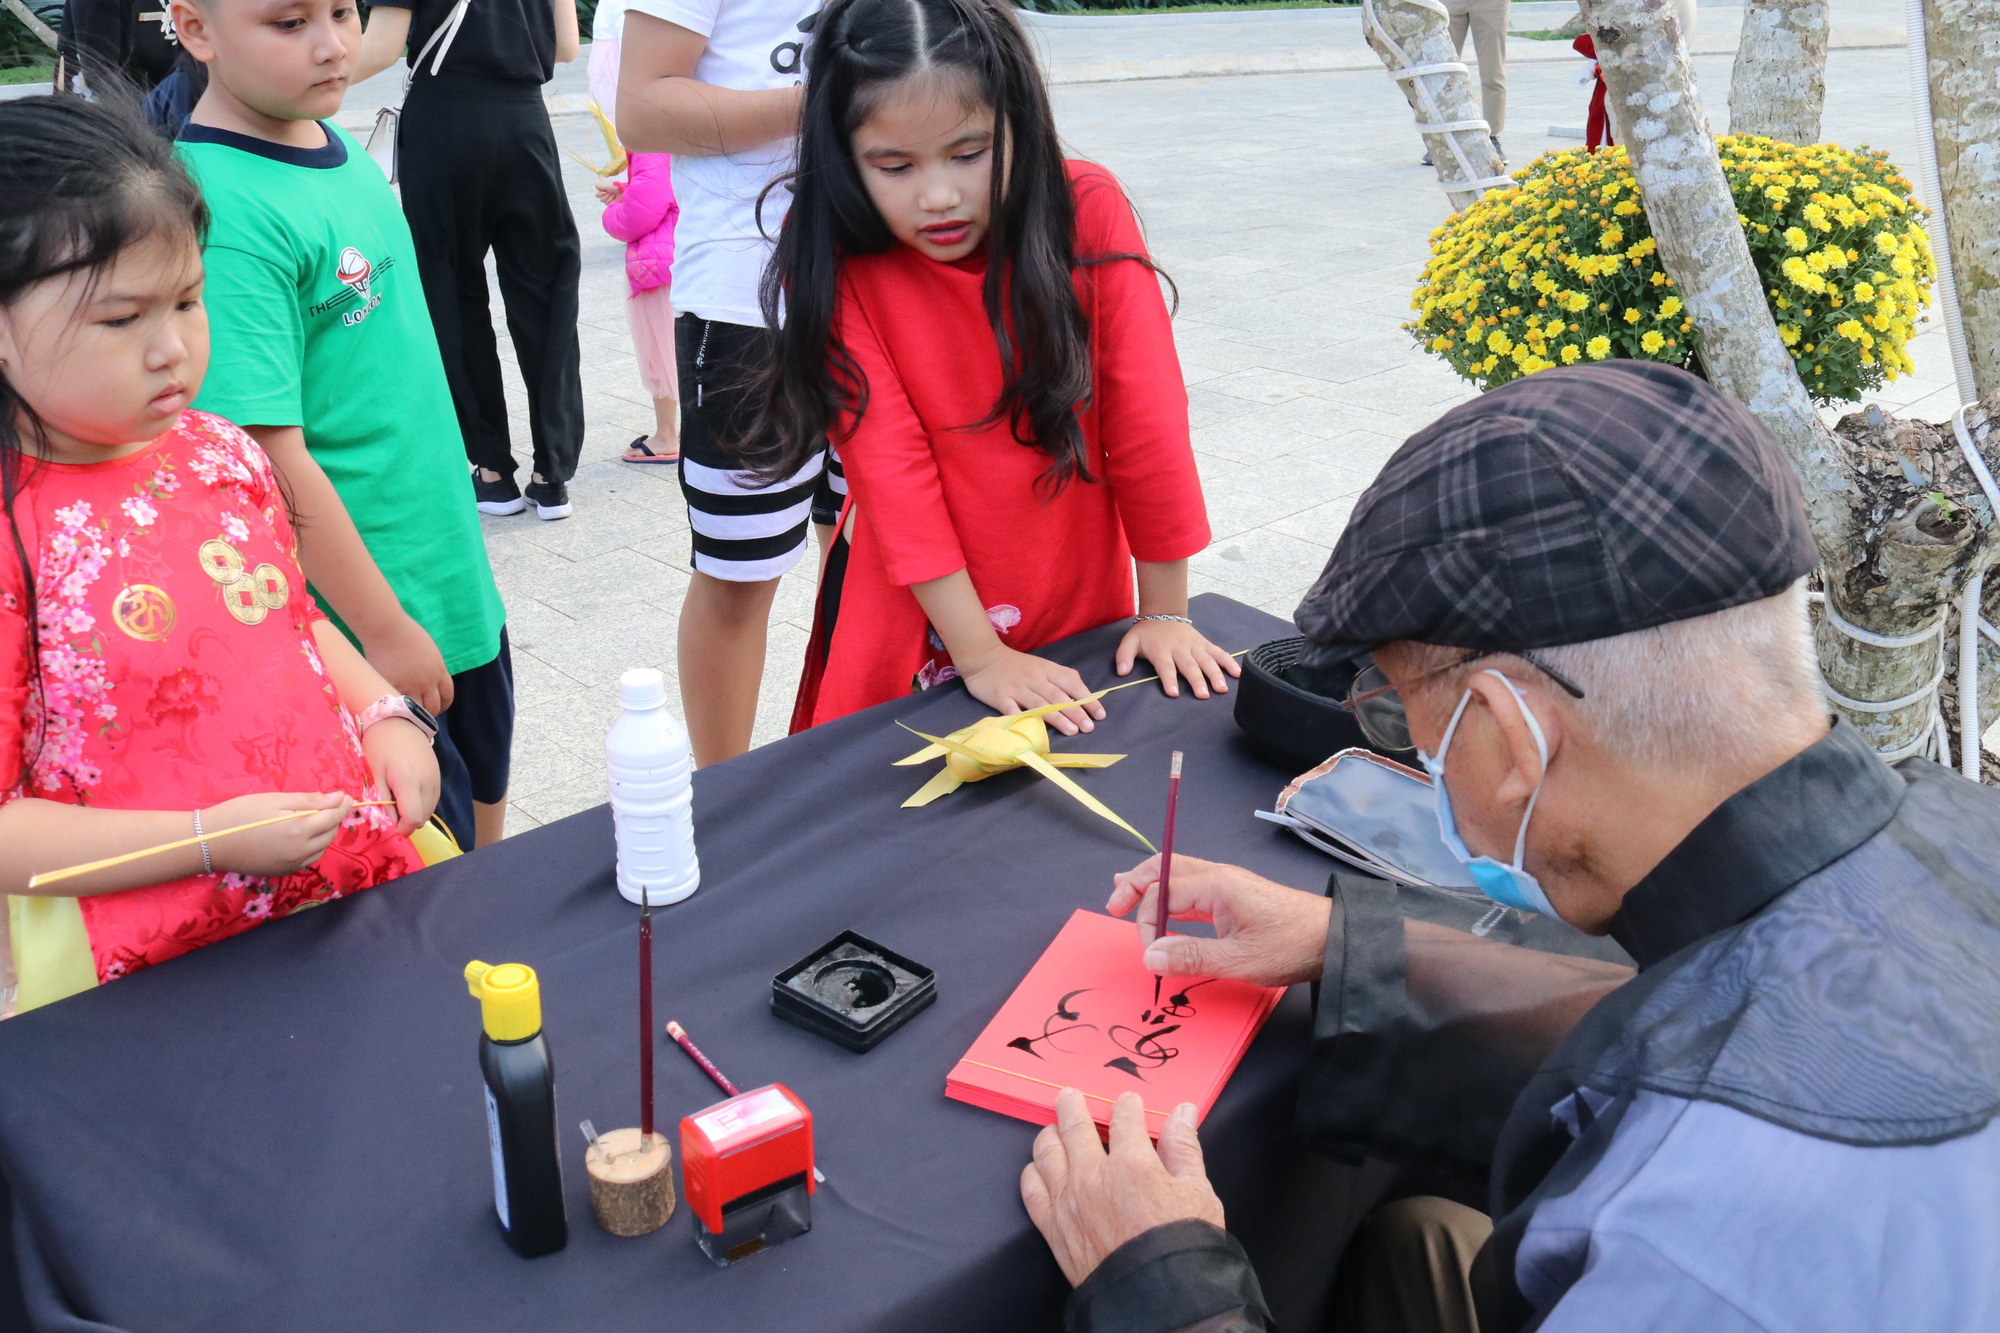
(1014, 682)
(405, 767)
(277, 849)
(1177, 650)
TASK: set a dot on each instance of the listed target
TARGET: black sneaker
(497, 497)
(551, 498)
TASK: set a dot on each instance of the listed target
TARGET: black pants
(479, 172)
(475, 742)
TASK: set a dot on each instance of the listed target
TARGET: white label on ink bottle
(499, 1163)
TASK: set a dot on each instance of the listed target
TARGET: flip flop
(651, 457)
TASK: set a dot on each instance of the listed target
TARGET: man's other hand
(1266, 934)
(1087, 1202)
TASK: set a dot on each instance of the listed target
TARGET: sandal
(646, 449)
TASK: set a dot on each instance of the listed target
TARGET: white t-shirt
(719, 252)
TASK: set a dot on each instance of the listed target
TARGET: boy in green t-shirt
(323, 350)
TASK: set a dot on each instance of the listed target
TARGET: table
(286, 1130)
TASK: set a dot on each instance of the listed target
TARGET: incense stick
(1167, 856)
(645, 1016)
(88, 867)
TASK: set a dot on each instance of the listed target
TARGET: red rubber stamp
(747, 1168)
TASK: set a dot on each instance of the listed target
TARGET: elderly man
(1583, 595)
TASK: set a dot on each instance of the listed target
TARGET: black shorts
(475, 742)
(743, 532)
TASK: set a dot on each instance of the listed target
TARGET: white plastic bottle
(651, 794)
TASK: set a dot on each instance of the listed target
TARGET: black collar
(331, 154)
(1799, 818)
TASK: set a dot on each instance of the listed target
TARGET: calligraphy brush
(1167, 856)
(645, 1018)
(68, 872)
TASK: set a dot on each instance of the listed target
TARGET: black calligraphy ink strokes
(1178, 1005)
(1063, 1015)
(1144, 1045)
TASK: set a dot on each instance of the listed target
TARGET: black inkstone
(852, 991)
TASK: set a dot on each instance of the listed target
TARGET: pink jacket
(644, 219)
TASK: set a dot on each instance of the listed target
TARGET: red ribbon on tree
(1597, 126)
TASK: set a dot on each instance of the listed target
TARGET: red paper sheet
(1085, 1017)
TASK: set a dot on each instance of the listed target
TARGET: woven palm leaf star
(1000, 744)
(616, 167)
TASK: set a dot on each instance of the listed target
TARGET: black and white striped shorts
(743, 532)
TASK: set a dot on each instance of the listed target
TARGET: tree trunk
(1779, 84)
(1410, 34)
(1892, 559)
(1964, 41)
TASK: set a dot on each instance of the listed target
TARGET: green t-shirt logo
(354, 272)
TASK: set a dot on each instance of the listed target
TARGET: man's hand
(1086, 1202)
(410, 661)
(1266, 934)
(405, 768)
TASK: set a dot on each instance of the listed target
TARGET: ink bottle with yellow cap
(520, 1108)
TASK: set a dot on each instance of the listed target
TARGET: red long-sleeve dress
(930, 497)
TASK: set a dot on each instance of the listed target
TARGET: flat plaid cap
(1574, 504)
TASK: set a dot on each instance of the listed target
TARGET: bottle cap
(642, 687)
(510, 999)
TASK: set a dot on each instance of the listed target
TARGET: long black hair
(860, 48)
(79, 182)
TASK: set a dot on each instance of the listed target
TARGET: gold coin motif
(273, 589)
(220, 561)
(242, 601)
(144, 612)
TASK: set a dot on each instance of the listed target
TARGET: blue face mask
(1508, 885)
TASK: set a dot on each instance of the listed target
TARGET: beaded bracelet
(1178, 619)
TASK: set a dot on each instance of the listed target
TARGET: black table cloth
(286, 1130)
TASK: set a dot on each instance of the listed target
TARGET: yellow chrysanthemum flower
(1598, 347)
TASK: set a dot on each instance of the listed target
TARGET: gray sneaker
(1498, 151)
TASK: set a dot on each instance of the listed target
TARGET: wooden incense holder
(631, 1186)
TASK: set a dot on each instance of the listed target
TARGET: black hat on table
(1571, 505)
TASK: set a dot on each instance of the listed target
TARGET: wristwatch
(397, 705)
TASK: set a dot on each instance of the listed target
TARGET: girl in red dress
(163, 670)
(976, 324)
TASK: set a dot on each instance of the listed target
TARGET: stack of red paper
(1090, 1016)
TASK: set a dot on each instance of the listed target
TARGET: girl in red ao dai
(160, 657)
(975, 322)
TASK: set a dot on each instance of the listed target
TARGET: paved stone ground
(1292, 213)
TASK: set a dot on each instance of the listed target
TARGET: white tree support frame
(1439, 88)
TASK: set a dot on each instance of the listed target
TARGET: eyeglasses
(1379, 711)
